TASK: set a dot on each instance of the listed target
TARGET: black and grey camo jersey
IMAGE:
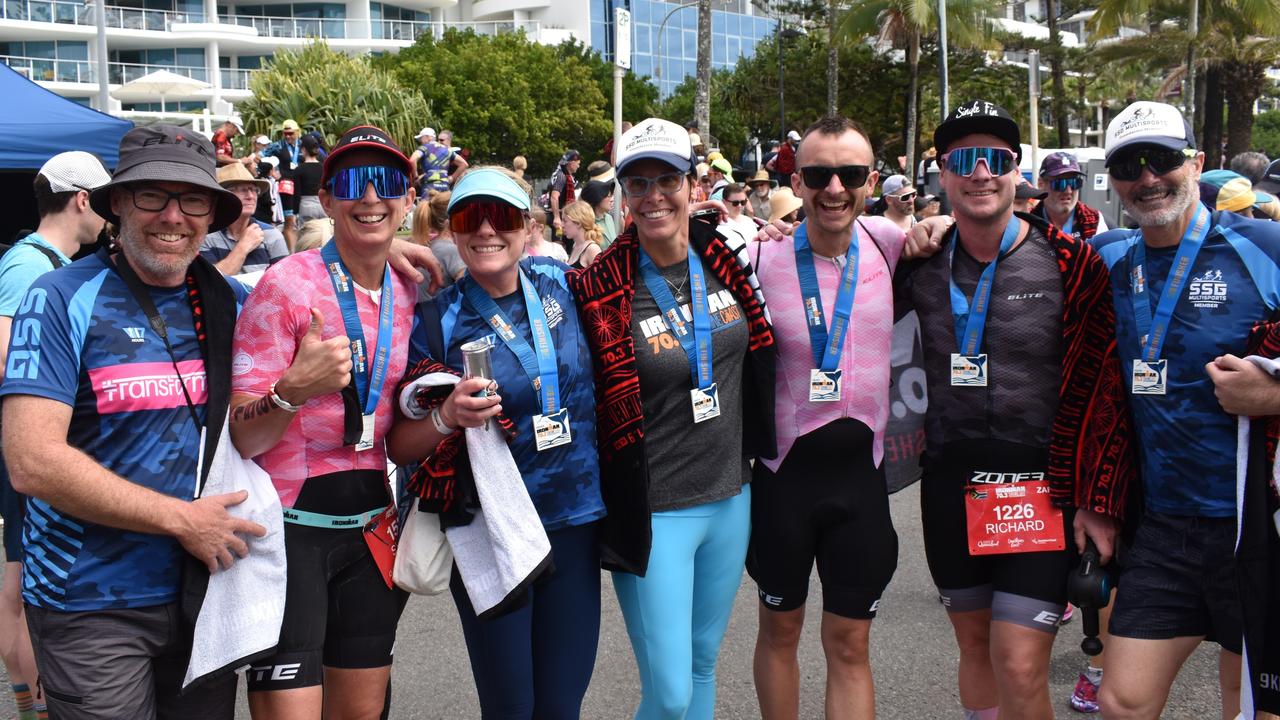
(1023, 342)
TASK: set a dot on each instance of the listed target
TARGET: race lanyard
(1150, 373)
(1070, 223)
(551, 428)
(294, 151)
(827, 347)
(969, 366)
(696, 344)
(368, 380)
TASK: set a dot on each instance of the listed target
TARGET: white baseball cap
(234, 120)
(793, 135)
(262, 140)
(75, 170)
(425, 132)
(1148, 123)
(656, 139)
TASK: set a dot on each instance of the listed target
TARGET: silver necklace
(679, 291)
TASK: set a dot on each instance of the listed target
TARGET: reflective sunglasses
(905, 197)
(818, 177)
(350, 183)
(1161, 161)
(153, 199)
(1075, 182)
(504, 217)
(964, 161)
(638, 186)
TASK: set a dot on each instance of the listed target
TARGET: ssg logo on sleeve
(1207, 291)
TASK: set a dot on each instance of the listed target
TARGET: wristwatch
(281, 402)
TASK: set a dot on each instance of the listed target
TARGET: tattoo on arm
(249, 411)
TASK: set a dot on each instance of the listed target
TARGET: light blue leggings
(677, 613)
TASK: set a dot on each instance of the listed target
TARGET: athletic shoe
(1085, 697)
(1067, 614)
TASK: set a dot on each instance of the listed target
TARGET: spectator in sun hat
(761, 186)
(110, 638)
(1061, 178)
(246, 245)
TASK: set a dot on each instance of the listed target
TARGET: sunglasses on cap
(1161, 161)
(964, 161)
(350, 183)
(638, 186)
(818, 177)
(1075, 182)
(504, 217)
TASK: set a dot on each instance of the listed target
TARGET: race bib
(550, 431)
(1012, 518)
(1149, 377)
(824, 386)
(380, 535)
(706, 403)
(968, 370)
(285, 187)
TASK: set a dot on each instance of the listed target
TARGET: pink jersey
(865, 360)
(273, 321)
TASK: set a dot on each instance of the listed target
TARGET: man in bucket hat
(118, 364)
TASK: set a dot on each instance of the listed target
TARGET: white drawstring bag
(424, 559)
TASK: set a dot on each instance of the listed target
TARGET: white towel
(505, 547)
(244, 605)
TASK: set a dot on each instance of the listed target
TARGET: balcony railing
(73, 12)
(48, 70)
(236, 79)
(120, 73)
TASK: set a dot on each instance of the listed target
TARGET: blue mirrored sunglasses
(1067, 183)
(963, 161)
(350, 183)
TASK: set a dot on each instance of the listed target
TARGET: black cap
(978, 116)
(1027, 191)
(365, 136)
(595, 191)
(166, 153)
(1270, 181)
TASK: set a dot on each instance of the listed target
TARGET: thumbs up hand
(320, 367)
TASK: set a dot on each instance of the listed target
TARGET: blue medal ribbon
(1152, 331)
(827, 347)
(538, 360)
(1070, 223)
(971, 320)
(697, 345)
(368, 379)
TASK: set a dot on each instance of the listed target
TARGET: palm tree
(833, 59)
(903, 24)
(702, 96)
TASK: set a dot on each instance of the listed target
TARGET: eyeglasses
(1075, 182)
(737, 203)
(638, 186)
(818, 177)
(245, 190)
(1161, 161)
(964, 161)
(905, 197)
(195, 204)
(350, 183)
(504, 217)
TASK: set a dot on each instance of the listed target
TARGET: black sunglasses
(738, 203)
(1161, 161)
(817, 177)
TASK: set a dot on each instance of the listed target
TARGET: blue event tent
(36, 124)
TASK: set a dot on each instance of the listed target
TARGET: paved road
(913, 656)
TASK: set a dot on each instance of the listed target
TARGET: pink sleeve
(267, 334)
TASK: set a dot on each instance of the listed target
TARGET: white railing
(287, 27)
(46, 70)
(236, 79)
(411, 30)
(80, 13)
(120, 73)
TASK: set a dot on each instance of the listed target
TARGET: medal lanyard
(827, 347)
(368, 381)
(971, 320)
(538, 361)
(294, 151)
(1070, 223)
(698, 344)
(1152, 332)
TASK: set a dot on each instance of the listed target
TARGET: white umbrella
(162, 83)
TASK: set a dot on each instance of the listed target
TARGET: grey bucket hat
(165, 153)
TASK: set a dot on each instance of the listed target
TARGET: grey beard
(1185, 196)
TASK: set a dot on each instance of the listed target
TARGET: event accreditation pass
(1012, 518)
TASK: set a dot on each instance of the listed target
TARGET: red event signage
(1012, 518)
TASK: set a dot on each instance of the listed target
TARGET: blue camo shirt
(20, 267)
(563, 482)
(80, 338)
(1187, 444)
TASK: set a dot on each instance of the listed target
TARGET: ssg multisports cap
(656, 139)
(75, 170)
(368, 137)
(978, 116)
(165, 153)
(1059, 164)
(488, 182)
(1148, 123)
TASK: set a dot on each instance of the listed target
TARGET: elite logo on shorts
(1207, 291)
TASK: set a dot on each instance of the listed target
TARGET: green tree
(330, 91)
(639, 94)
(505, 95)
(728, 130)
(1266, 133)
